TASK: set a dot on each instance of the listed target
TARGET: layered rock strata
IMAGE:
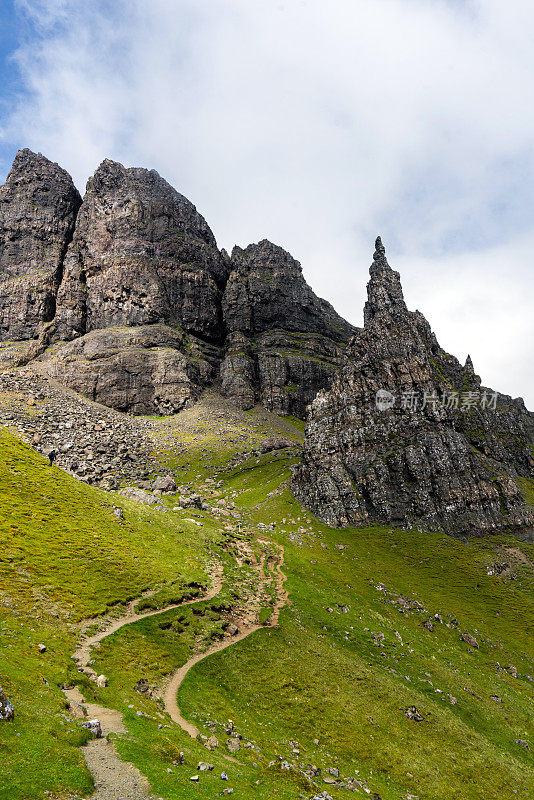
(283, 343)
(408, 435)
(141, 255)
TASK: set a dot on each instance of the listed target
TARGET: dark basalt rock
(141, 255)
(151, 369)
(38, 207)
(406, 434)
(283, 342)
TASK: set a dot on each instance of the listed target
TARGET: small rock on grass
(212, 743)
(412, 713)
(7, 709)
(522, 743)
(470, 640)
(232, 745)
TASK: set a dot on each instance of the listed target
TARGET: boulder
(470, 640)
(94, 727)
(212, 743)
(414, 714)
(7, 709)
(275, 443)
(165, 484)
(232, 745)
(152, 369)
(139, 495)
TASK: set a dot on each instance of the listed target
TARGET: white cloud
(319, 125)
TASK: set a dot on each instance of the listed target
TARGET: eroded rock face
(406, 434)
(38, 208)
(283, 342)
(141, 255)
(151, 369)
(137, 255)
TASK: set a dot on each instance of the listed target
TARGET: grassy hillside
(330, 687)
(66, 556)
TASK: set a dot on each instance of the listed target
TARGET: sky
(317, 125)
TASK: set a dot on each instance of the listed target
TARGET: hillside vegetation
(366, 678)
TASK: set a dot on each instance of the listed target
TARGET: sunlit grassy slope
(64, 555)
(329, 687)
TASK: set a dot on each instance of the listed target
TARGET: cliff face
(38, 207)
(141, 255)
(129, 301)
(406, 434)
(283, 343)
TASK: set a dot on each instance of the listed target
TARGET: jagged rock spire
(379, 256)
(406, 434)
(384, 290)
(469, 365)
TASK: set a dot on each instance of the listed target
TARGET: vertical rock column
(38, 208)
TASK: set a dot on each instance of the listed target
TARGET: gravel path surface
(247, 627)
(114, 778)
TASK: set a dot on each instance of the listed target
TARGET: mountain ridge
(138, 254)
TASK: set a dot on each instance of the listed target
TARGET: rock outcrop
(38, 208)
(126, 298)
(283, 343)
(7, 710)
(141, 255)
(408, 435)
(151, 369)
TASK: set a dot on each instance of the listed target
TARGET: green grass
(321, 675)
(527, 485)
(66, 556)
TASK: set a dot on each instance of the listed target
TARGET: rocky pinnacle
(407, 435)
(38, 208)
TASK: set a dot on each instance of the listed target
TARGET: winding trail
(114, 778)
(177, 678)
(82, 654)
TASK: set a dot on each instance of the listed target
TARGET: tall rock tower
(38, 208)
(407, 434)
